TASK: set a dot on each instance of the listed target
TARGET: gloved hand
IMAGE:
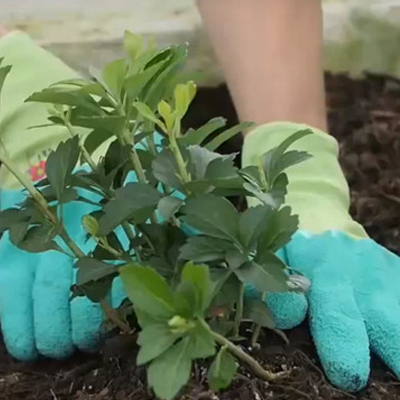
(36, 314)
(354, 300)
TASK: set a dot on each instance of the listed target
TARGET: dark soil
(365, 116)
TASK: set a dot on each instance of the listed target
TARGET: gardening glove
(354, 299)
(36, 314)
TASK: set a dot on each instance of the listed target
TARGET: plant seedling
(161, 219)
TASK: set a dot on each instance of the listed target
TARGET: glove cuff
(317, 191)
(33, 69)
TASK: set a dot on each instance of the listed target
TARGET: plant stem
(42, 203)
(239, 310)
(257, 328)
(183, 172)
(85, 153)
(113, 317)
(256, 368)
(138, 166)
(255, 335)
(261, 173)
(125, 225)
(135, 160)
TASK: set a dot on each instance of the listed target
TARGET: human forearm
(271, 54)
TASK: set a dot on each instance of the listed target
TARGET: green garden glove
(354, 300)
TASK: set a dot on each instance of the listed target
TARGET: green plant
(190, 253)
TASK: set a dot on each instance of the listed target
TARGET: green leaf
(60, 164)
(200, 158)
(228, 134)
(205, 249)
(184, 94)
(164, 109)
(257, 311)
(280, 227)
(199, 277)
(199, 135)
(175, 57)
(222, 173)
(265, 198)
(166, 240)
(101, 253)
(146, 112)
(274, 161)
(91, 270)
(169, 206)
(114, 75)
(65, 96)
(11, 216)
(214, 216)
(111, 123)
(148, 291)
(135, 84)
(135, 200)
(166, 170)
(95, 139)
(168, 373)
(39, 239)
(252, 224)
(202, 343)
(133, 44)
(266, 274)
(279, 189)
(185, 300)
(154, 339)
(226, 289)
(222, 370)
(90, 224)
(94, 290)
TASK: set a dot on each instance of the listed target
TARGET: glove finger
(393, 263)
(336, 323)
(51, 291)
(86, 319)
(377, 296)
(117, 293)
(17, 272)
(288, 309)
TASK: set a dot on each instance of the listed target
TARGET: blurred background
(359, 34)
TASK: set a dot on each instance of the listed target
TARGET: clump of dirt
(364, 115)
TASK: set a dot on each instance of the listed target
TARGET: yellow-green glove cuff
(33, 69)
(318, 191)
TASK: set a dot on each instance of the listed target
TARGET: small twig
(53, 394)
(322, 375)
(292, 389)
(239, 310)
(42, 203)
(282, 335)
(257, 369)
(255, 335)
(390, 197)
(113, 317)
(85, 153)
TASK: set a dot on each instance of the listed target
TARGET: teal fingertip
(16, 279)
(50, 294)
(336, 323)
(288, 309)
(86, 318)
